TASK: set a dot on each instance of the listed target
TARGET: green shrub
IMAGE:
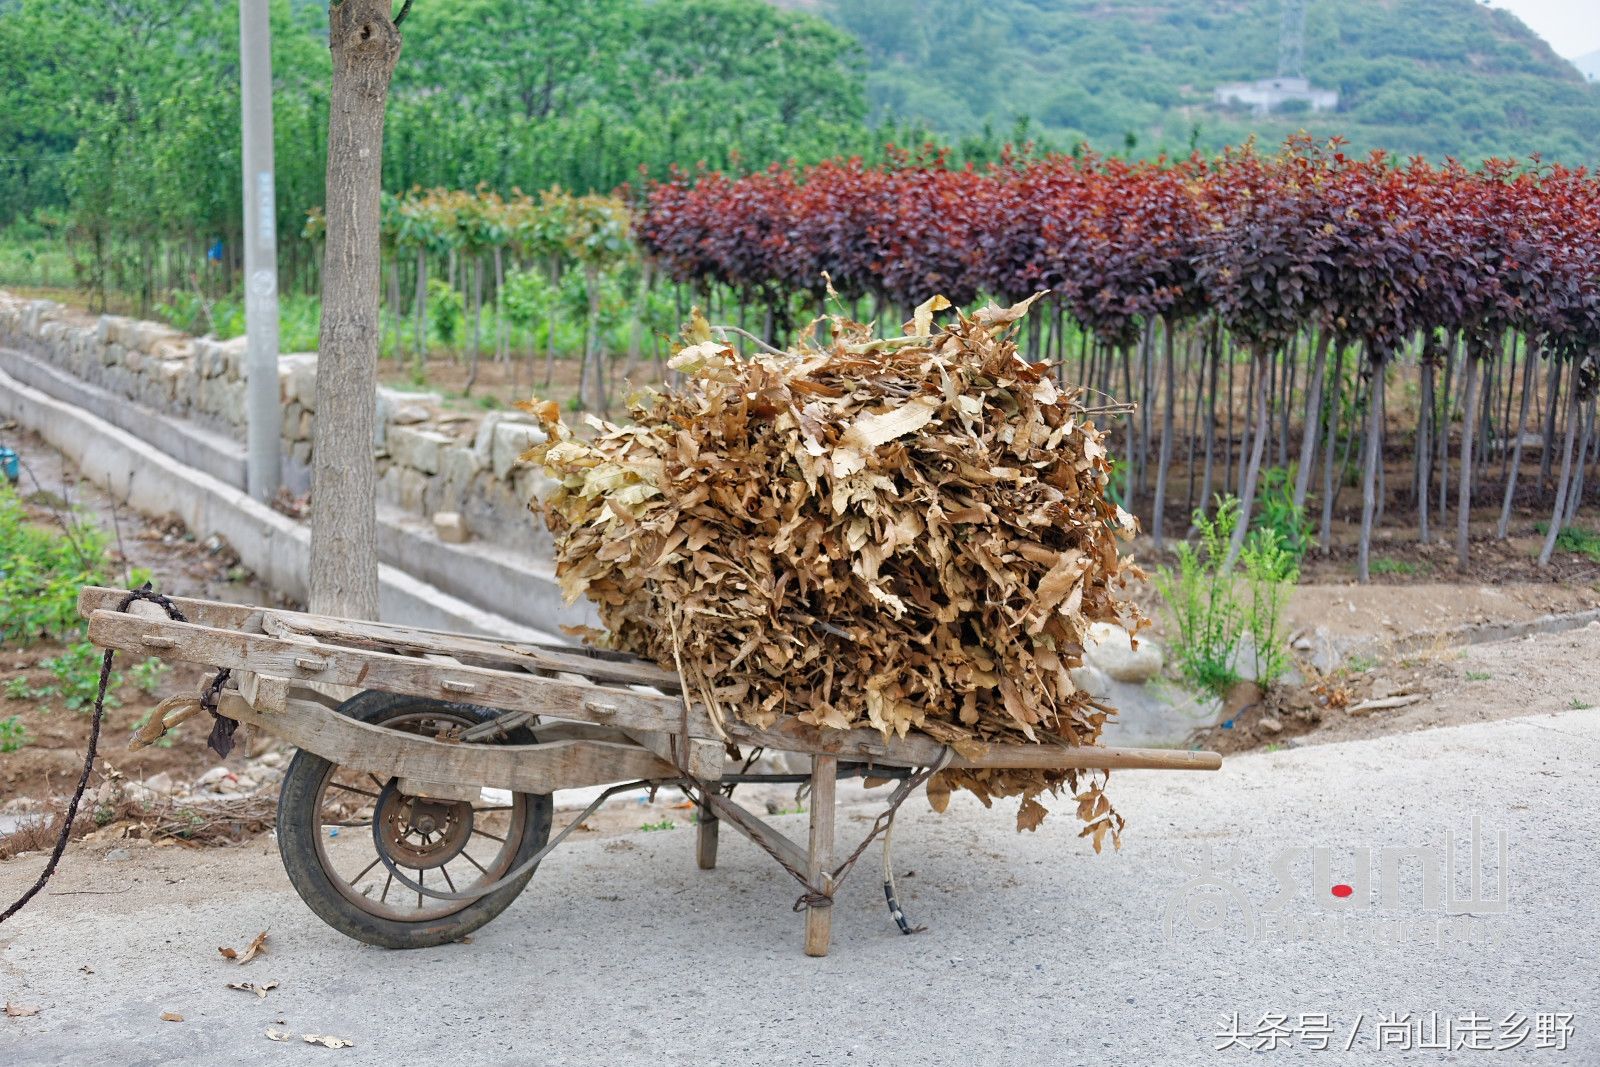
(447, 311)
(77, 672)
(41, 571)
(1213, 607)
(13, 735)
(1276, 511)
(1575, 539)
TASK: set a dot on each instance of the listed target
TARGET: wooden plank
(705, 839)
(705, 758)
(756, 830)
(527, 656)
(819, 860)
(262, 692)
(400, 674)
(919, 750)
(250, 619)
(541, 768)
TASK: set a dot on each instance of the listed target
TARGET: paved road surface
(1038, 951)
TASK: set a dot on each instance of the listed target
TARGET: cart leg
(819, 921)
(705, 841)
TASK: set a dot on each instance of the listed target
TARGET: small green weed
(664, 824)
(13, 735)
(1478, 676)
(19, 688)
(1218, 611)
(1386, 565)
(1361, 663)
(1578, 540)
(1579, 705)
(147, 674)
(78, 672)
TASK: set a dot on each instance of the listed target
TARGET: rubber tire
(298, 826)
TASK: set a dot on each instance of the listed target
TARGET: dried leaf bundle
(907, 534)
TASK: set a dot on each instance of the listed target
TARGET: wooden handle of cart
(552, 684)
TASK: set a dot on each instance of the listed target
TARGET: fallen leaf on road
(251, 987)
(278, 1035)
(171, 1017)
(329, 1040)
(20, 1011)
(251, 951)
(255, 948)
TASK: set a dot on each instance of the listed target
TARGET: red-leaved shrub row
(1371, 249)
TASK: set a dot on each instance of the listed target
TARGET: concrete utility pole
(263, 466)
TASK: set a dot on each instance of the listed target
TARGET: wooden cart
(432, 755)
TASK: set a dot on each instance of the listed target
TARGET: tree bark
(1528, 362)
(1469, 423)
(1252, 471)
(1424, 454)
(1560, 510)
(1308, 435)
(344, 557)
(1159, 507)
(421, 308)
(1369, 477)
(1329, 445)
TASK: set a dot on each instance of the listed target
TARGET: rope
(142, 593)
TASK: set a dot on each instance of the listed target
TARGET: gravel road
(1221, 914)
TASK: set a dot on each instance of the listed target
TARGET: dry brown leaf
(255, 948)
(938, 792)
(328, 1040)
(228, 953)
(171, 1017)
(21, 1011)
(251, 987)
(274, 1034)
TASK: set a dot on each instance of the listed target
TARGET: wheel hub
(421, 833)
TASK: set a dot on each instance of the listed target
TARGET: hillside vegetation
(1439, 77)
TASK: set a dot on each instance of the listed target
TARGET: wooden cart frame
(598, 718)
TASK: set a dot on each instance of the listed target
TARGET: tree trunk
(1552, 392)
(1469, 422)
(1560, 510)
(344, 557)
(477, 325)
(1369, 476)
(1329, 441)
(1168, 419)
(502, 331)
(1252, 471)
(421, 301)
(1308, 435)
(1528, 362)
(1575, 494)
(1424, 472)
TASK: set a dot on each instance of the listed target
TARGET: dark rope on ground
(143, 593)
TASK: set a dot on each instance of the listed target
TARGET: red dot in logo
(1342, 890)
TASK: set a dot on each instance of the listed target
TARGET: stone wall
(429, 459)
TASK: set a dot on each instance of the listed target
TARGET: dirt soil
(181, 566)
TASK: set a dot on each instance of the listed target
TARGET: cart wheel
(325, 835)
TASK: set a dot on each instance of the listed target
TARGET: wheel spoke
(375, 861)
(474, 862)
(487, 834)
(387, 882)
(352, 789)
(420, 875)
(445, 870)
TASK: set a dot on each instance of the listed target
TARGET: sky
(1571, 26)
